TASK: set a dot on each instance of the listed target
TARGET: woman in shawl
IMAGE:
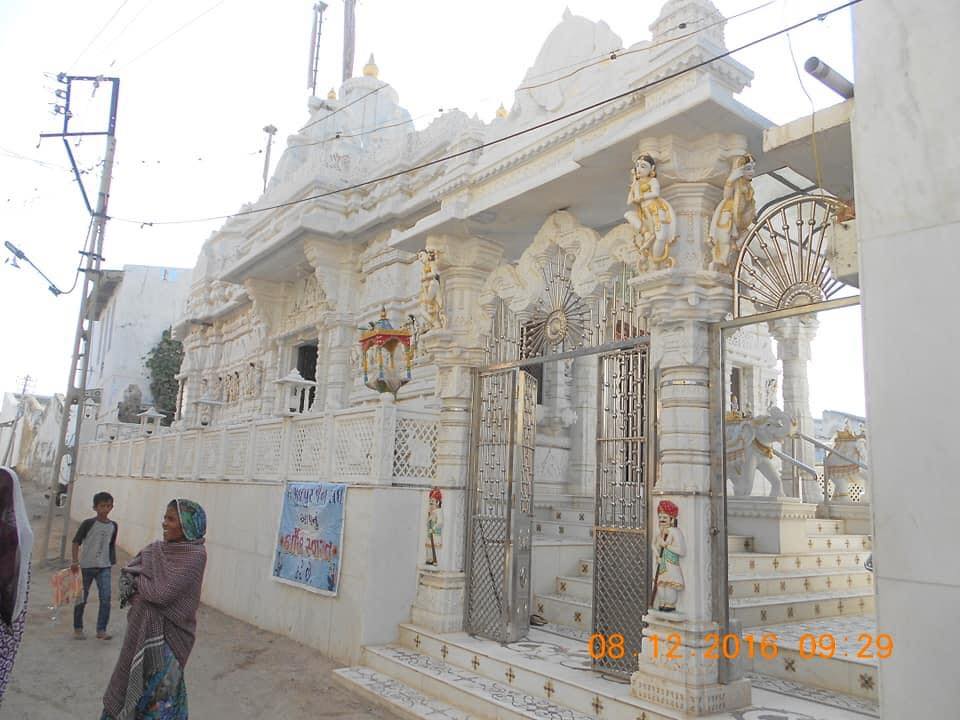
(16, 544)
(162, 587)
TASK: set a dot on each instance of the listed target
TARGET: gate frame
(650, 470)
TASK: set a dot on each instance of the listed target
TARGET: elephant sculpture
(846, 464)
(749, 449)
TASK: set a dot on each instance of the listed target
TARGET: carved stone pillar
(267, 298)
(681, 300)
(794, 336)
(338, 280)
(340, 336)
(463, 265)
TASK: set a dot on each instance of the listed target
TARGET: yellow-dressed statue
(650, 215)
(733, 215)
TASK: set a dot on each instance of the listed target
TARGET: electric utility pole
(92, 255)
(13, 425)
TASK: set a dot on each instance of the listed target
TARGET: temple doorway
(558, 492)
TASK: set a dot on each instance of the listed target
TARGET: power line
(510, 136)
(618, 53)
(179, 29)
(98, 34)
(344, 107)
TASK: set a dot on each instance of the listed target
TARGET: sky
(201, 78)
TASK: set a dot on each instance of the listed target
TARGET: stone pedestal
(778, 525)
(688, 684)
(857, 517)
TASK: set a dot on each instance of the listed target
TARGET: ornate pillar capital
(465, 255)
(706, 159)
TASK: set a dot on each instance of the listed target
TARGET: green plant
(163, 362)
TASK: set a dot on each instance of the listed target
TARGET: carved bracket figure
(669, 545)
(651, 217)
(431, 294)
(734, 215)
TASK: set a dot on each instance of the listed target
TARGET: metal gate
(621, 550)
(501, 506)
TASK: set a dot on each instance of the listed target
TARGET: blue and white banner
(311, 533)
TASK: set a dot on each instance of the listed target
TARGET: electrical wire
(98, 34)
(344, 107)
(614, 54)
(813, 117)
(573, 113)
(179, 29)
(126, 27)
(345, 136)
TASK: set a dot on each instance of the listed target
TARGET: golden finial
(502, 111)
(371, 69)
(332, 95)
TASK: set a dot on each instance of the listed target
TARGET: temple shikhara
(526, 431)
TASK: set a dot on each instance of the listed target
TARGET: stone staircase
(455, 676)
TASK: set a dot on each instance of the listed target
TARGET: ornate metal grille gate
(501, 506)
(621, 555)
(561, 325)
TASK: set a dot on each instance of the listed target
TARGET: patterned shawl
(168, 576)
(16, 545)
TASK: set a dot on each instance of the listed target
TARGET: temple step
(798, 582)
(763, 610)
(560, 528)
(753, 562)
(396, 696)
(473, 694)
(845, 672)
(546, 674)
(564, 610)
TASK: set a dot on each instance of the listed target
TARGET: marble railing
(382, 445)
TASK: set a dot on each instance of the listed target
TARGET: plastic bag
(67, 587)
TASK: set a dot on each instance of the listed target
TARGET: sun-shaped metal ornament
(561, 319)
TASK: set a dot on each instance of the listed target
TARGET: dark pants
(102, 576)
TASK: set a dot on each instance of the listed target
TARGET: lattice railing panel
(309, 448)
(354, 446)
(415, 449)
(136, 458)
(123, 458)
(151, 457)
(210, 446)
(266, 458)
(854, 488)
(235, 453)
(188, 450)
(102, 459)
(168, 457)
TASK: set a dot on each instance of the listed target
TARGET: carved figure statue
(650, 215)
(670, 546)
(434, 524)
(840, 471)
(128, 408)
(733, 215)
(431, 296)
(749, 449)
